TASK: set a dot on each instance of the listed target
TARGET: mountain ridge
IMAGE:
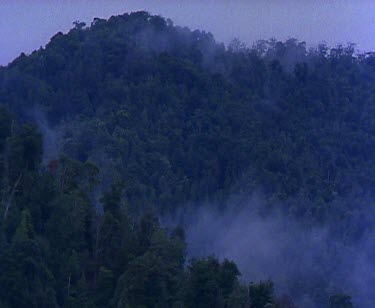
(172, 118)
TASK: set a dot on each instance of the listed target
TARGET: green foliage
(262, 294)
(80, 296)
(239, 298)
(24, 275)
(340, 301)
(25, 149)
(6, 126)
(105, 287)
(176, 117)
(25, 230)
(210, 283)
(151, 117)
(153, 279)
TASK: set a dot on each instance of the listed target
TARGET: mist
(26, 26)
(51, 136)
(298, 258)
(306, 262)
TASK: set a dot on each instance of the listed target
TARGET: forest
(114, 130)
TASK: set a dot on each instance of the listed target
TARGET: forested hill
(113, 124)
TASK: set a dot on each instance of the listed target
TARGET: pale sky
(25, 25)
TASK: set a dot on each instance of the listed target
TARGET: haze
(26, 25)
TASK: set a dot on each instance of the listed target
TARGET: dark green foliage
(80, 296)
(6, 126)
(340, 301)
(210, 283)
(24, 276)
(25, 149)
(177, 118)
(151, 117)
(239, 298)
(261, 295)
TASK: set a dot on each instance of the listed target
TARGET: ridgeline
(113, 125)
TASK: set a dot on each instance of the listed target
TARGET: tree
(80, 296)
(340, 301)
(24, 275)
(209, 283)
(261, 294)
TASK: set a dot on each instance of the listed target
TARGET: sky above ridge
(26, 25)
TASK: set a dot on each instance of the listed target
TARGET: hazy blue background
(26, 25)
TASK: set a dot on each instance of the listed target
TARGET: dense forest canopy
(114, 125)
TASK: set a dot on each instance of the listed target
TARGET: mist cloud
(307, 263)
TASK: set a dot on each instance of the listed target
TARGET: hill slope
(172, 119)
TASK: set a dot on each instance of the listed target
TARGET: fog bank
(305, 262)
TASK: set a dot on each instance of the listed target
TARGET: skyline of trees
(151, 119)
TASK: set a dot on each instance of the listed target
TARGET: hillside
(113, 125)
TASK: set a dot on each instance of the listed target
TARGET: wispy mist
(51, 136)
(305, 262)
